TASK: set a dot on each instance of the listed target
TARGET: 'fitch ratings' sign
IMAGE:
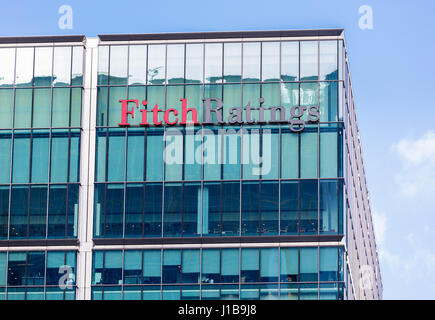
(234, 117)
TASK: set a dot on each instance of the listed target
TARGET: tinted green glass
(289, 207)
(153, 210)
(6, 105)
(290, 61)
(138, 93)
(73, 210)
(328, 60)
(76, 107)
(99, 197)
(74, 155)
(308, 264)
(309, 60)
(328, 219)
(269, 162)
(289, 264)
(172, 210)
(289, 154)
(308, 206)
(175, 63)
(152, 266)
(4, 217)
(251, 61)
(192, 155)
(269, 206)
(231, 148)
(251, 95)
(308, 158)
(100, 157)
(135, 154)
(37, 211)
(23, 108)
(57, 211)
(21, 157)
(40, 152)
(173, 154)
(271, 95)
(24, 67)
(19, 212)
(269, 268)
(250, 209)
(232, 62)
(232, 97)
(192, 210)
(116, 155)
(41, 108)
(328, 260)
(102, 103)
(5, 155)
(114, 213)
(328, 152)
(211, 153)
(193, 95)
(59, 156)
(134, 202)
(156, 96)
(103, 65)
(154, 155)
(328, 101)
(61, 110)
(115, 107)
(194, 63)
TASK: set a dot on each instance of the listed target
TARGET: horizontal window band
(217, 240)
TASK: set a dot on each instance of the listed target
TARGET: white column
(87, 169)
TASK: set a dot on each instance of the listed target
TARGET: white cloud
(417, 176)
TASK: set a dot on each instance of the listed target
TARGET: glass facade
(263, 198)
(219, 274)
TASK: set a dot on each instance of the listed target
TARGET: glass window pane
(17, 268)
(190, 266)
(251, 95)
(133, 267)
(328, 258)
(151, 266)
(171, 266)
(309, 206)
(37, 211)
(229, 292)
(74, 159)
(328, 152)
(290, 61)
(211, 141)
(5, 156)
(289, 264)
(112, 267)
(210, 266)
(59, 156)
(114, 211)
(99, 205)
(97, 267)
(6, 106)
(308, 264)
(232, 62)
(270, 61)
(250, 209)
(231, 158)
(213, 62)
(134, 200)
(24, 67)
(231, 209)
(250, 265)
(156, 64)
(269, 206)
(173, 210)
(21, 161)
(173, 154)
(191, 210)
(4, 214)
(251, 153)
(193, 95)
(103, 65)
(211, 198)
(230, 265)
(156, 96)
(251, 61)
(308, 292)
(118, 65)
(19, 212)
(102, 103)
(328, 206)
(61, 110)
(135, 154)
(77, 66)
(175, 63)
(57, 211)
(289, 207)
(7, 64)
(309, 60)
(73, 210)
(289, 96)
(271, 95)
(100, 157)
(289, 154)
(3, 268)
(43, 65)
(41, 108)
(55, 260)
(137, 64)
(23, 108)
(40, 152)
(153, 210)
(194, 63)
(35, 268)
(116, 94)
(269, 162)
(328, 101)
(308, 149)
(328, 60)
(268, 264)
(249, 292)
(138, 93)
(192, 156)
(62, 66)
(116, 155)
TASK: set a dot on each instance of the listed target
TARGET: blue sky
(392, 69)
